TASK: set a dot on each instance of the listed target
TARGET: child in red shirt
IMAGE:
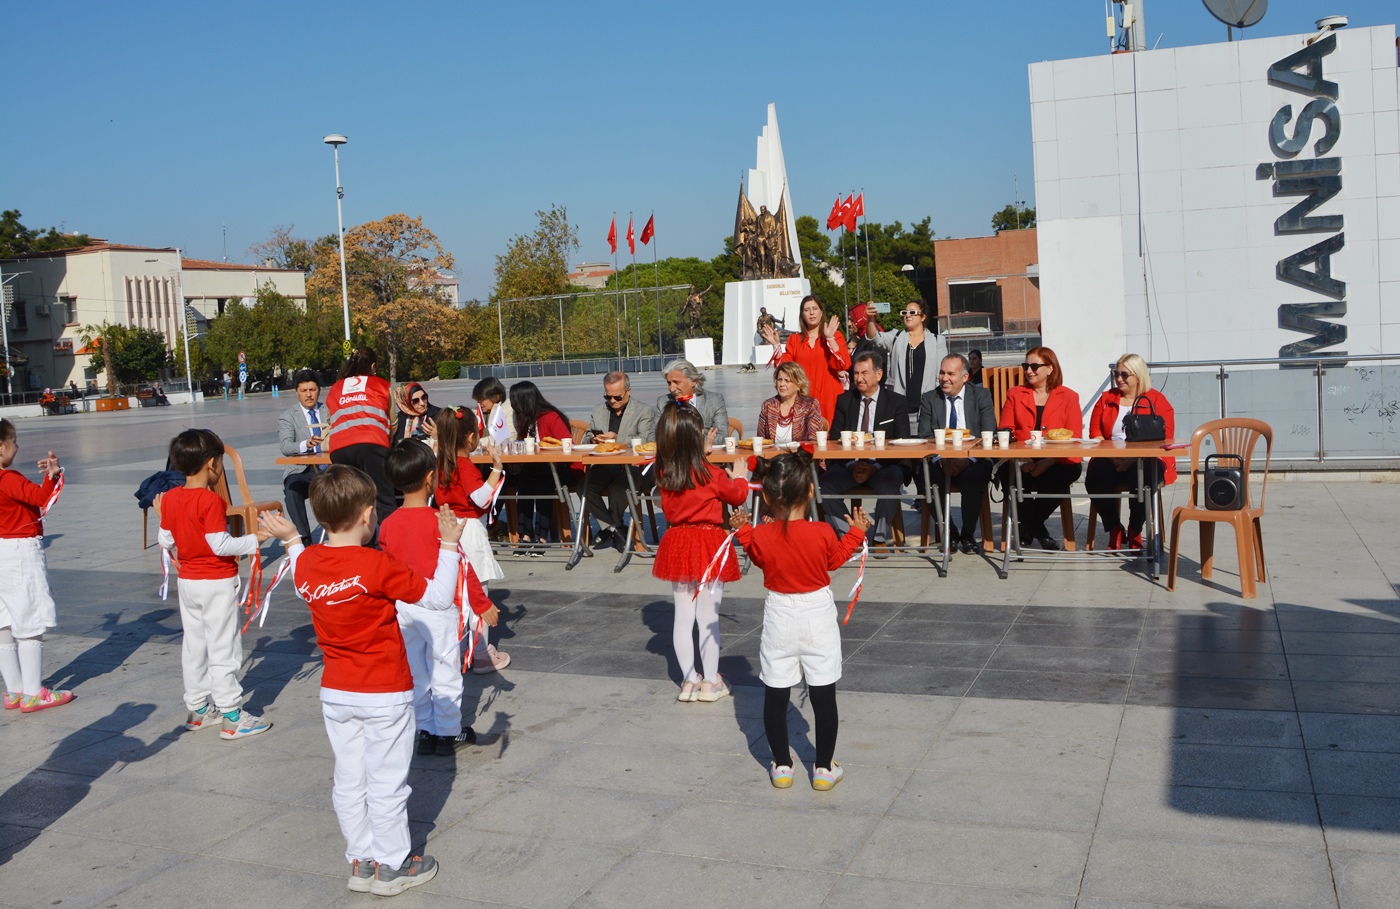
(26, 606)
(461, 487)
(366, 685)
(431, 635)
(693, 493)
(194, 524)
(800, 634)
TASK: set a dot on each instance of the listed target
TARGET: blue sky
(160, 123)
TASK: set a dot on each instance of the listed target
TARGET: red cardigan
(821, 364)
(1106, 414)
(1061, 412)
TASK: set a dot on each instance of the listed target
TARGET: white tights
(704, 611)
(21, 663)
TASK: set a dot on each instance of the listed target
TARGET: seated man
(299, 433)
(618, 418)
(687, 386)
(958, 403)
(867, 407)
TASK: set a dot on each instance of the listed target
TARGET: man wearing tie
(299, 431)
(956, 403)
(867, 407)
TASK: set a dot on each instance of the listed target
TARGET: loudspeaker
(1224, 486)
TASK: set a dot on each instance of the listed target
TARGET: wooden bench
(147, 398)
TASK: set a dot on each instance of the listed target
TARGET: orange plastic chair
(243, 517)
(736, 428)
(1237, 436)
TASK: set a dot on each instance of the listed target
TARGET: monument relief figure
(761, 240)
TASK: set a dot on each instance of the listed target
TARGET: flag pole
(845, 282)
(869, 277)
(855, 242)
(612, 241)
(632, 248)
(656, 279)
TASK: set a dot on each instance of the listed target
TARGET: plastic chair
(578, 428)
(736, 428)
(242, 518)
(999, 380)
(1237, 436)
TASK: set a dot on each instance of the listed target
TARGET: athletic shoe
(491, 661)
(688, 692)
(447, 745)
(781, 777)
(824, 779)
(44, 700)
(712, 691)
(11, 701)
(427, 742)
(416, 869)
(242, 724)
(207, 717)
(361, 875)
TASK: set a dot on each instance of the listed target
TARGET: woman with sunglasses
(416, 415)
(914, 355)
(819, 349)
(1132, 393)
(1044, 403)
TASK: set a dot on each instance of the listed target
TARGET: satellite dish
(1238, 13)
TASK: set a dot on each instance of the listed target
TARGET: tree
(98, 336)
(286, 251)
(1013, 218)
(16, 239)
(129, 355)
(537, 264)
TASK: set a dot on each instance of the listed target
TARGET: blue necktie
(953, 412)
(315, 431)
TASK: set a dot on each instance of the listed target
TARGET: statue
(761, 240)
(694, 307)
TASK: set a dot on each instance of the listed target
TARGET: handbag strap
(1152, 408)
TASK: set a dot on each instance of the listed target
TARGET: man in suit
(687, 386)
(299, 431)
(867, 407)
(957, 403)
(618, 418)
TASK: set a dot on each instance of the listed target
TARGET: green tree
(1013, 218)
(537, 264)
(99, 335)
(16, 239)
(140, 355)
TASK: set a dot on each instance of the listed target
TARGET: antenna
(225, 242)
(1237, 14)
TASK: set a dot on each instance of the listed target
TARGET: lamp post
(5, 330)
(335, 140)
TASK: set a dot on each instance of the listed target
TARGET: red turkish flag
(848, 214)
(649, 231)
(860, 205)
(833, 220)
(631, 238)
(612, 236)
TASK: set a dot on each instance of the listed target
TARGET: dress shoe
(880, 550)
(967, 546)
(605, 538)
(1047, 542)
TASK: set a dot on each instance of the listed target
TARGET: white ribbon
(717, 562)
(261, 614)
(165, 561)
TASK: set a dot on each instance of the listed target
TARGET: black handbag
(1144, 427)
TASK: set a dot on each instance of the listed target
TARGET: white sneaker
(492, 661)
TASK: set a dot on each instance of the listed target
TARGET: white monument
(781, 297)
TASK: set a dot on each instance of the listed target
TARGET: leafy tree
(129, 355)
(537, 264)
(1012, 218)
(284, 250)
(16, 239)
(199, 362)
(99, 336)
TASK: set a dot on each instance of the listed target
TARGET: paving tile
(1057, 756)
(95, 870)
(1355, 773)
(1155, 690)
(919, 680)
(1348, 668)
(633, 768)
(1095, 636)
(602, 817)
(1347, 697)
(726, 831)
(853, 892)
(1189, 813)
(516, 870)
(1094, 688)
(912, 653)
(1207, 874)
(192, 882)
(941, 632)
(1037, 658)
(646, 880)
(692, 727)
(1365, 880)
(1213, 640)
(1227, 664)
(1087, 616)
(1342, 643)
(1033, 801)
(1363, 823)
(168, 818)
(1351, 733)
(1220, 766)
(1023, 717)
(866, 789)
(1211, 727)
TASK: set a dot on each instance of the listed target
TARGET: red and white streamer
(461, 599)
(715, 570)
(860, 582)
(261, 614)
(166, 560)
(254, 582)
(48, 506)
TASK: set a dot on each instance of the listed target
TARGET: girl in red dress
(693, 493)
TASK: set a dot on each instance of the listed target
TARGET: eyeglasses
(1032, 367)
(906, 313)
(418, 399)
(614, 397)
(1123, 376)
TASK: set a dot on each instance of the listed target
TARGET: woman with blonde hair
(1132, 393)
(792, 415)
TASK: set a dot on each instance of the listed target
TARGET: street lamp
(335, 140)
(5, 329)
(184, 317)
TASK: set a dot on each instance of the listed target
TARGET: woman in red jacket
(1043, 403)
(1133, 394)
(537, 419)
(358, 408)
(819, 349)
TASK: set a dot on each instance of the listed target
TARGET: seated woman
(1044, 403)
(1133, 393)
(493, 413)
(791, 415)
(537, 418)
(416, 415)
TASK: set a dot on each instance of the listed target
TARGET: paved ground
(1072, 736)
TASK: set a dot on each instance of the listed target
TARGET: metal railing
(1329, 408)
(622, 323)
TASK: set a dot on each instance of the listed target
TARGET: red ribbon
(717, 563)
(460, 600)
(58, 487)
(860, 582)
(261, 614)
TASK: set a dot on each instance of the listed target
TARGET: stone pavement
(1071, 736)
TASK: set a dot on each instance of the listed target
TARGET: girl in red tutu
(693, 493)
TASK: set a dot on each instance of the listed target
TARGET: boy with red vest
(194, 523)
(366, 685)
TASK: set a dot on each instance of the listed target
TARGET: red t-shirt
(188, 513)
(411, 536)
(800, 558)
(704, 504)
(351, 591)
(457, 495)
(20, 501)
(359, 412)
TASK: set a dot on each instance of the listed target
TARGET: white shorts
(800, 639)
(26, 606)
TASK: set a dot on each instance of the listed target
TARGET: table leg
(1014, 524)
(579, 548)
(634, 505)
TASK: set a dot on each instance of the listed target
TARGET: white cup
(636, 443)
(529, 446)
(822, 436)
(938, 437)
(858, 438)
(987, 438)
(731, 445)
(567, 446)
(1004, 438)
(846, 438)
(1037, 437)
(757, 445)
(957, 439)
(879, 438)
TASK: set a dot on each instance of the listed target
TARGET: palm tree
(97, 334)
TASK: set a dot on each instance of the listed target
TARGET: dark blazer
(891, 414)
(977, 410)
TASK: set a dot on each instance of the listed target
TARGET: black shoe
(1047, 542)
(968, 546)
(604, 539)
(427, 742)
(447, 745)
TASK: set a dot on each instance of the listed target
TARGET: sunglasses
(906, 313)
(1123, 376)
(1032, 367)
(418, 399)
(614, 397)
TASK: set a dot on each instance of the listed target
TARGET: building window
(974, 306)
(70, 309)
(21, 318)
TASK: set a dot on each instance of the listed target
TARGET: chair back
(1234, 436)
(999, 380)
(578, 428)
(232, 454)
(736, 428)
